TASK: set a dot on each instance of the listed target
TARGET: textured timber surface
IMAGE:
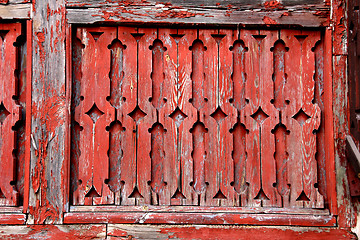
(192, 117)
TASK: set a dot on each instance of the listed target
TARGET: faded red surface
(273, 5)
(269, 21)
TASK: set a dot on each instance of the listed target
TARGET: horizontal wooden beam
(193, 209)
(218, 4)
(15, 11)
(194, 16)
(199, 218)
(12, 218)
(137, 231)
(94, 231)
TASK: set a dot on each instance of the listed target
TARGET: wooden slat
(302, 118)
(15, 11)
(139, 231)
(144, 171)
(260, 117)
(124, 92)
(189, 209)
(12, 219)
(212, 4)
(200, 218)
(184, 94)
(89, 231)
(94, 114)
(10, 112)
(149, 15)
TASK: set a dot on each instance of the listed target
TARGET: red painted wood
(202, 117)
(123, 98)
(229, 232)
(302, 118)
(10, 113)
(94, 114)
(12, 218)
(260, 117)
(199, 218)
(329, 124)
(89, 231)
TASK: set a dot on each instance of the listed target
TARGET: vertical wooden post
(48, 113)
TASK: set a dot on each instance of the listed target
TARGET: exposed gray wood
(15, 11)
(353, 154)
(93, 231)
(244, 4)
(137, 232)
(47, 175)
(193, 16)
(154, 209)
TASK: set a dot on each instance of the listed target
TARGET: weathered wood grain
(49, 111)
(200, 218)
(94, 231)
(235, 117)
(15, 11)
(194, 16)
(220, 4)
(233, 232)
(10, 112)
(189, 209)
(94, 114)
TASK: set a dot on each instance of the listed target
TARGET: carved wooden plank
(239, 131)
(186, 112)
(302, 118)
(147, 113)
(225, 39)
(172, 117)
(94, 114)
(261, 118)
(10, 113)
(124, 90)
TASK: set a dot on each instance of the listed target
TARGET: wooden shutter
(198, 118)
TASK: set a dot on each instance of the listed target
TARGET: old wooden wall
(43, 107)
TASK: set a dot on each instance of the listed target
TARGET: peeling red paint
(324, 14)
(55, 232)
(4, 1)
(41, 40)
(269, 21)
(175, 14)
(273, 5)
(254, 233)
